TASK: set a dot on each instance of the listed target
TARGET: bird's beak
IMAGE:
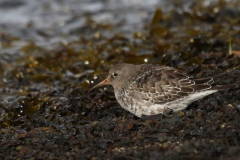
(104, 82)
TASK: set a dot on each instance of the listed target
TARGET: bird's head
(119, 76)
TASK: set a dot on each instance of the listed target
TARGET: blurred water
(57, 17)
(48, 22)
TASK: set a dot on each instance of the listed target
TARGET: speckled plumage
(148, 89)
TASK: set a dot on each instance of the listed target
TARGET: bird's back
(154, 87)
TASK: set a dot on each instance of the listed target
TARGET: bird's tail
(226, 80)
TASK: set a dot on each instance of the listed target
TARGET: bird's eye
(115, 74)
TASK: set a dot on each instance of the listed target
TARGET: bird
(149, 89)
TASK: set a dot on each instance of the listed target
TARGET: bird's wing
(165, 84)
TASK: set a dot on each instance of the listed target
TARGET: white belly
(142, 107)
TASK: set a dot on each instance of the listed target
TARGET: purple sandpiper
(149, 89)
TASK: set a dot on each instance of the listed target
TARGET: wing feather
(165, 84)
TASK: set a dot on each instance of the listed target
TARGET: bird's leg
(167, 111)
(116, 118)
